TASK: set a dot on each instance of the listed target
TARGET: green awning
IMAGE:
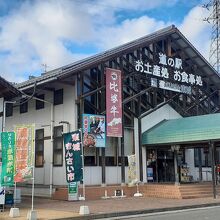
(189, 129)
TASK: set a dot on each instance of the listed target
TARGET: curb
(137, 212)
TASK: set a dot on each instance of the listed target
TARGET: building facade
(164, 78)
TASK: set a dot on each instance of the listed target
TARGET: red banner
(113, 103)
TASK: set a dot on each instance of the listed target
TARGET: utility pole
(214, 18)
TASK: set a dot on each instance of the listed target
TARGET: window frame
(205, 156)
(39, 141)
(24, 107)
(9, 106)
(39, 104)
(58, 97)
(56, 139)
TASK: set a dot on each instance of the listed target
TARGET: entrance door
(165, 166)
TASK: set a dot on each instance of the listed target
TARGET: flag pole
(83, 170)
(15, 195)
(32, 202)
(33, 163)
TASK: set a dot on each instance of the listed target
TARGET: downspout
(51, 142)
(51, 138)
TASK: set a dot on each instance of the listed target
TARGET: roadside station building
(170, 113)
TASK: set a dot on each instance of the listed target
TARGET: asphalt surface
(208, 213)
(54, 209)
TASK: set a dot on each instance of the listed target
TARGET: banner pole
(32, 202)
(15, 196)
(84, 190)
(33, 163)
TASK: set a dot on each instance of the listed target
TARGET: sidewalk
(52, 209)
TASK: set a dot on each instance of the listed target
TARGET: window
(24, 107)
(58, 97)
(39, 148)
(58, 146)
(9, 109)
(91, 155)
(40, 104)
(206, 157)
(89, 161)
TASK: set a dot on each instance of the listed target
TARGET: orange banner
(24, 153)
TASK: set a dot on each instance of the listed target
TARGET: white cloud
(39, 31)
(35, 34)
(127, 31)
(140, 5)
(196, 30)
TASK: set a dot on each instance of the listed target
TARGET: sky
(59, 32)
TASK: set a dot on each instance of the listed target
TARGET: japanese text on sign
(8, 158)
(72, 144)
(113, 102)
(24, 153)
(169, 68)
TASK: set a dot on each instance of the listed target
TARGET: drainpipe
(51, 141)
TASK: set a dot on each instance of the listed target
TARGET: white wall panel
(42, 119)
(93, 175)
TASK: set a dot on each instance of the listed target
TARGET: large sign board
(113, 102)
(94, 130)
(169, 74)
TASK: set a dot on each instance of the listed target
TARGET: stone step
(148, 190)
(196, 190)
(195, 196)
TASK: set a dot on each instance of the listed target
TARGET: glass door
(165, 166)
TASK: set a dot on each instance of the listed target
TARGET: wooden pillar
(103, 165)
(199, 149)
(81, 111)
(140, 149)
(101, 109)
(81, 103)
(212, 146)
(122, 149)
(123, 132)
(200, 163)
